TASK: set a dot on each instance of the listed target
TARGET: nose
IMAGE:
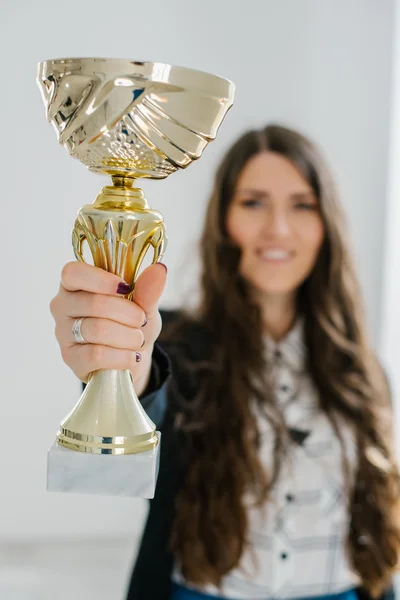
(276, 223)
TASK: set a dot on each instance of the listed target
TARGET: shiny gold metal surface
(128, 120)
(140, 119)
(119, 228)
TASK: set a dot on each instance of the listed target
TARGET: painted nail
(124, 288)
(145, 321)
(144, 341)
(138, 357)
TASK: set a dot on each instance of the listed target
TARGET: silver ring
(76, 331)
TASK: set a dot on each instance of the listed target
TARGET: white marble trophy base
(103, 474)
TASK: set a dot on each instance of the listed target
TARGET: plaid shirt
(297, 541)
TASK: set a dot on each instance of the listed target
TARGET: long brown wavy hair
(211, 526)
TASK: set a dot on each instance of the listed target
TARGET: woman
(277, 475)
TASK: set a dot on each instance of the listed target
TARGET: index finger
(77, 276)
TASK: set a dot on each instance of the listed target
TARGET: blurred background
(330, 68)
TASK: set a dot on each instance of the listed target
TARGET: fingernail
(124, 288)
(144, 341)
(145, 321)
(138, 357)
(165, 266)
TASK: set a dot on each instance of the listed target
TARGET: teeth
(276, 254)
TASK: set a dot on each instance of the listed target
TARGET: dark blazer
(151, 576)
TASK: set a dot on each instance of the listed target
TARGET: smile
(276, 255)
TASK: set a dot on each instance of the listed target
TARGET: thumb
(148, 288)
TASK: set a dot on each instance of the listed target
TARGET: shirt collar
(291, 350)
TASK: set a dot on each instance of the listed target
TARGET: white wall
(324, 67)
(390, 321)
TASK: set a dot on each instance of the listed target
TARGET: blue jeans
(180, 592)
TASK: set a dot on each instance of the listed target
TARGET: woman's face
(275, 220)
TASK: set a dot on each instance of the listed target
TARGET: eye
(306, 206)
(251, 203)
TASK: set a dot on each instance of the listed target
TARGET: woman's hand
(119, 333)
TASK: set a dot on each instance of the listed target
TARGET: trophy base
(133, 475)
(109, 445)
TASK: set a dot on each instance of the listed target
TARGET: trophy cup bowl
(128, 120)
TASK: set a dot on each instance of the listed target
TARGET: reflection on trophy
(128, 120)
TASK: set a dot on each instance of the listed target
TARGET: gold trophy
(128, 120)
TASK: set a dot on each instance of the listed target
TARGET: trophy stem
(119, 229)
(108, 419)
(123, 181)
